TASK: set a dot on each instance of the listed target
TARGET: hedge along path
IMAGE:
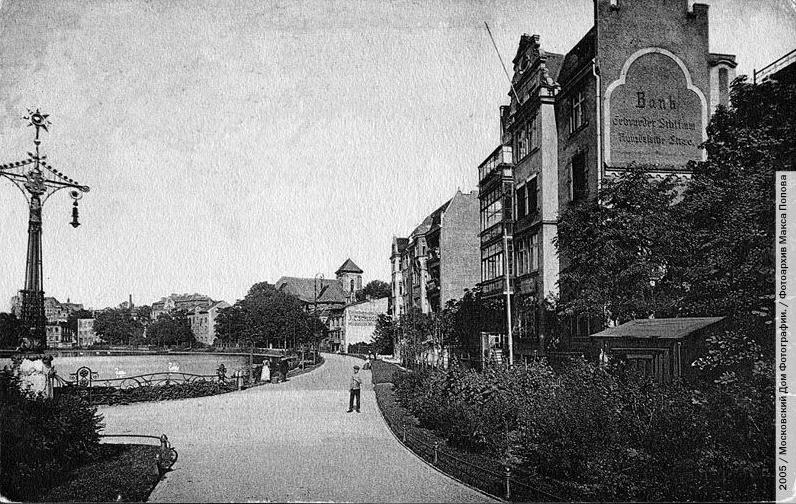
(288, 442)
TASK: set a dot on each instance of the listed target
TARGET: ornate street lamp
(315, 318)
(38, 181)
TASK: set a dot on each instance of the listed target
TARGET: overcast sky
(232, 142)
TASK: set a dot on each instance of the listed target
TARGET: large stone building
(439, 259)
(203, 321)
(180, 302)
(638, 88)
(327, 298)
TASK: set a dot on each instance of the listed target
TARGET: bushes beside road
(42, 440)
(602, 435)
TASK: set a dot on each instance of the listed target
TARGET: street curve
(289, 442)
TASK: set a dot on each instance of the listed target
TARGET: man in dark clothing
(356, 384)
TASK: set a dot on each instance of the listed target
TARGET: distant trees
(375, 289)
(118, 326)
(171, 329)
(267, 316)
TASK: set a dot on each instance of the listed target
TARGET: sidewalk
(288, 442)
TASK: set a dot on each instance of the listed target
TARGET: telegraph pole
(38, 181)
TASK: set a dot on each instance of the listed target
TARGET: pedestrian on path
(356, 383)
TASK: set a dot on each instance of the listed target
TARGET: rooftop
(664, 328)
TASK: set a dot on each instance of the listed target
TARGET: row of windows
(491, 209)
(527, 254)
(492, 262)
(526, 138)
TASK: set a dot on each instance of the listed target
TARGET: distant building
(359, 321)
(203, 322)
(60, 336)
(438, 260)
(85, 333)
(326, 297)
(54, 310)
(180, 302)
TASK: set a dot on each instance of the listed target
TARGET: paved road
(284, 443)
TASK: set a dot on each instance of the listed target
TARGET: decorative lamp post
(315, 318)
(38, 181)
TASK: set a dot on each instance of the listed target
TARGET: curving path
(284, 443)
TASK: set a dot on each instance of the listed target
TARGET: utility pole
(37, 186)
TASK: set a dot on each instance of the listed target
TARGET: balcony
(500, 159)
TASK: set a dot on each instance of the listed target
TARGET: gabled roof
(333, 293)
(304, 289)
(430, 221)
(348, 267)
(582, 54)
(664, 328)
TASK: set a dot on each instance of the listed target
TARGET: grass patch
(120, 472)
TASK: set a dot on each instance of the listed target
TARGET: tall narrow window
(579, 184)
(724, 87)
(522, 210)
(531, 189)
(533, 133)
(522, 143)
(576, 112)
(533, 252)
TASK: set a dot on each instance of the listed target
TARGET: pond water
(114, 366)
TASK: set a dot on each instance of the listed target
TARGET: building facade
(203, 322)
(637, 89)
(439, 259)
(180, 302)
(85, 333)
(359, 321)
(60, 336)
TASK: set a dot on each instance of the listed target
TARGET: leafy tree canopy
(375, 289)
(117, 326)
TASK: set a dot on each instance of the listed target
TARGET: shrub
(610, 437)
(42, 440)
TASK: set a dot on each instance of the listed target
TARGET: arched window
(352, 285)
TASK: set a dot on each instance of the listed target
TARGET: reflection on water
(120, 366)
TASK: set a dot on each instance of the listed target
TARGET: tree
(75, 316)
(118, 327)
(230, 324)
(267, 316)
(171, 330)
(273, 316)
(617, 250)
(375, 289)
(11, 330)
(729, 209)
(385, 335)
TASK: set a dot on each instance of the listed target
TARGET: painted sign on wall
(654, 114)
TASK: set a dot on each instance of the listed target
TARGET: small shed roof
(666, 328)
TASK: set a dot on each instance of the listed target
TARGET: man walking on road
(356, 383)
